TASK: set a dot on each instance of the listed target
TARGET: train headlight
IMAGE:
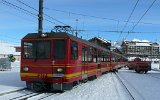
(59, 70)
(25, 69)
(43, 35)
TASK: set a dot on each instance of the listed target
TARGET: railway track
(21, 94)
(125, 87)
(130, 88)
(25, 97)
(1, 94)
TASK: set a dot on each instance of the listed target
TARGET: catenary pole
(40, 17)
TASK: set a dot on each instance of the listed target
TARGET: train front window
(59, 49)
(37, 49)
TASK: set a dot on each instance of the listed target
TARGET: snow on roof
(145, 41)
(143, 44)
(137, 40)
(104, 40)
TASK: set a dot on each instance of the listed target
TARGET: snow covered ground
(142, 86)
(106, 87)
(10, 80)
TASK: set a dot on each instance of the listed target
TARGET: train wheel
(84, 80)
(141, 71)
(138, 71)
(146, 71)
(76, 83)
(92, 78)
(38, 87)
(29, 85)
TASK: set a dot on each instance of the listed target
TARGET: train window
(74, 50)
(43, 49)
(84, 54)
(95, 55)
(59, 49)
(36, 49)
(28, 50)
(90, 52)
(99, 56)
(108, 58)
(103, 59)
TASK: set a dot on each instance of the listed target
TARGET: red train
(58, 61)
(140, 66)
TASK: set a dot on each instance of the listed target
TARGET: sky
(101, 18)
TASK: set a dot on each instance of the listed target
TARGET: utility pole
(40, 17)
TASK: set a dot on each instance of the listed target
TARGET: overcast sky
(95, 18)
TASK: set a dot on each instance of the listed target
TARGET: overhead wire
(118, 21)
(18, 8)
(130, 15)
(52, 17)
(44, 13)
(141, 17)
(103, 18)
(81, 14)
(128, 18)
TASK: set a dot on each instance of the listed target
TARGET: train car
(118, 61)
(58, 61)
(139, 65)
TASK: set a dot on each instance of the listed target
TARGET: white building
(6, 49)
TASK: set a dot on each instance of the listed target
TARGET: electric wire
(103, 18)
(130, 15)
(128, 19)
(141, 17)
(44, 13)
(24, 10)
(19, 8)
(26, 5)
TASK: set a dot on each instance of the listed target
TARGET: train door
(59, 51)
(84, 62)
(59, 56)
(99, 63)
(74, 53)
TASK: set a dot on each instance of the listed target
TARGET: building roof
(139, 43)
(101, 39)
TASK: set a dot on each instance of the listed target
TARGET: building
(101, 42)
(141, 49)
(17, 53)
(7, 49)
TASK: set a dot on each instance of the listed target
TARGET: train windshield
(37, 49)
(59, 49)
